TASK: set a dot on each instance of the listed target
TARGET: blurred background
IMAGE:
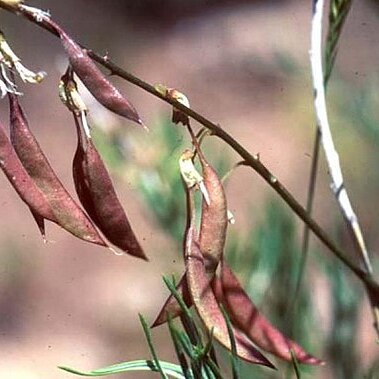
(244, 65)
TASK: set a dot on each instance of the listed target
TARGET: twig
(250, 160)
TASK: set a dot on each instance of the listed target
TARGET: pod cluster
(103, 220)
(203, 288)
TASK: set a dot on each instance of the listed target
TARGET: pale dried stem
(331, 154)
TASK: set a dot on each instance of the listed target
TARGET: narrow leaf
(235, 365)
(169, 369)
(151, 346)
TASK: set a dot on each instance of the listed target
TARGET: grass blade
(168, 368)
(234, 357)
(151, 346)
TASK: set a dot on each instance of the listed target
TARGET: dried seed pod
(205, 301)
(95, 81)
(214, 218)
(98, 197)
(67, 212)
(21, 181)
(246, 317)
(213, 226)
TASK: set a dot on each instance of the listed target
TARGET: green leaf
(235, 365)
(146, 329)
(295, 365)
(167, 368)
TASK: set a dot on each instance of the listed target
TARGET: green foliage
(160, 185)
(340, 342)
(169, 369)
(339, 9)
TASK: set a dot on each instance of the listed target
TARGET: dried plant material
(67, 212)
(172, 93)
(231, 218)
(98, 196)
(190, 175)
(205, 301)
(69, 95)
(21, 181)
(214, 219)
(213, 227)
(246, 317)
(94, 80)
(12, 60)
(177, 115)
(12, 3)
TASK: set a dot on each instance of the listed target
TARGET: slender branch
(250, 160)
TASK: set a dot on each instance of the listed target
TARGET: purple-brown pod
(67, 213)
(98, 197)
(213, 226)
(205, 302)
(94, 80)
(214, 219)
(245, 316)
(21, 181)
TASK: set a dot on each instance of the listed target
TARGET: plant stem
(331, 153)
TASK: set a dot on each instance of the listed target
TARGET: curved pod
(99, 198)
(67, 212)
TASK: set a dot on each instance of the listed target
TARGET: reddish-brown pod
(246, 317)
(213, 227)
(21, 181)
(206, 303)
(214, 219)
(67, 212)
(94, 80)
(98, 196)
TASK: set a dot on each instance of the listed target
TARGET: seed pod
(246, 317)
(21, 181)
(67, 213)
(98, 197)
(213, 226)
(214, 218)
(205, 301)
(95, 81)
